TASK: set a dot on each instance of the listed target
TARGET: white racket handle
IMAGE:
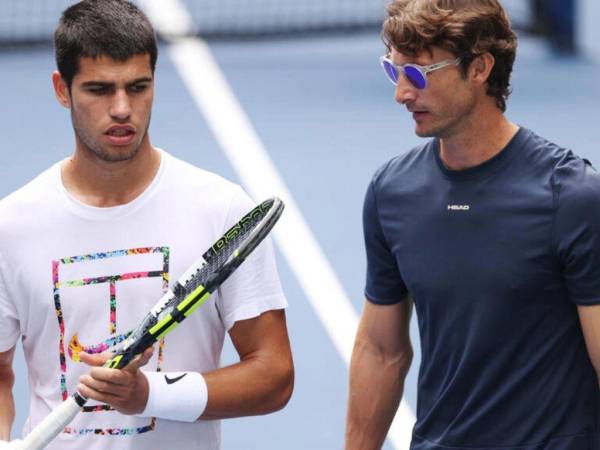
(52, 425)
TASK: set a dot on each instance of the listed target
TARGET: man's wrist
(180, 396)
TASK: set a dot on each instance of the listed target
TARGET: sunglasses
(416, 74)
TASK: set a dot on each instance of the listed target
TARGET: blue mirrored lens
(415, 76)
(390, 71)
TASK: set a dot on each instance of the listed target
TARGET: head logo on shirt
(459, 207)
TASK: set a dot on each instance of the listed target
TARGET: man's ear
(61, 90)
(481, 67)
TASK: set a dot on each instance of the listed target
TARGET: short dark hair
(93, 28)
(466, 28)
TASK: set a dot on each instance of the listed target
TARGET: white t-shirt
(72, 274)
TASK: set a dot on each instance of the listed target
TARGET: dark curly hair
(466, 28)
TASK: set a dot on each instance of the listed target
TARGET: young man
(494, 233)
(91, 244)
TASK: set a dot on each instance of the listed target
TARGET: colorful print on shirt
(109, 272)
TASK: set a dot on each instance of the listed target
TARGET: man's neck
(103, 184)
(483, 135)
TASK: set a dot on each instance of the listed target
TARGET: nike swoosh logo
(174, 380)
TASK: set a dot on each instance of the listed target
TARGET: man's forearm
(7, 403)
(7, 406)
(251, 387)
(260, 383)
(263, 380)
(589, 317)
(257, 385)
(7, 415)
(376, 386)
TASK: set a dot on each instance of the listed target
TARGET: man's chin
(430, 131)
(116, 155)
(424, 132)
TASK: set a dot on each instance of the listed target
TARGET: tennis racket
(190, 291)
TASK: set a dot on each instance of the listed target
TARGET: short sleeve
(578, 229)
(384, 283)
(9, 321)
(254, 287)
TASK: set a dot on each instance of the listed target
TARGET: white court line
(246, 153)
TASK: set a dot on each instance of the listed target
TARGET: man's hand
(12, 445)
(126, 390)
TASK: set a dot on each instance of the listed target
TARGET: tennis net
(33, 21)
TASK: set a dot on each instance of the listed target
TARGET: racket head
(203, 277)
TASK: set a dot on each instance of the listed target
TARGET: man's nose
(405, 92)
(121, 105)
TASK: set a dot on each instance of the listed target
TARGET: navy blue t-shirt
(496, 257)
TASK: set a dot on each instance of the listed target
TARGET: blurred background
(299, 87)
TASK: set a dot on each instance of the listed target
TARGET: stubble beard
(443, 130)
(453, 123)
(440, 131)
(104, 154)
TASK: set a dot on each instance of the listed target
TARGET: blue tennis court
(325, 116)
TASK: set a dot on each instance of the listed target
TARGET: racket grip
(54, 423)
